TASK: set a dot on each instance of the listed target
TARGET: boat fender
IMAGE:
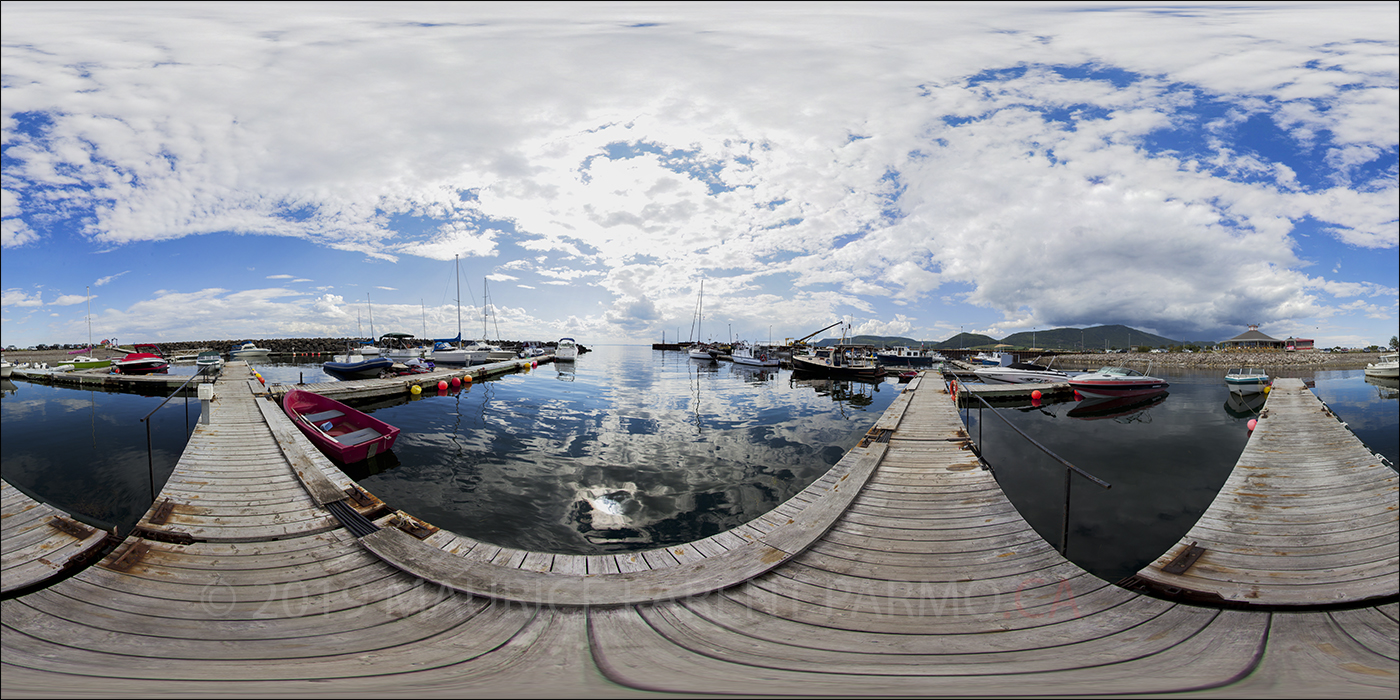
(415, 390)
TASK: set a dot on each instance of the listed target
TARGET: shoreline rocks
(1225, 359)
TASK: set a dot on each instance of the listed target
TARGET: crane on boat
(802, 342)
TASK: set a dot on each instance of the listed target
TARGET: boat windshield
(1120, 372)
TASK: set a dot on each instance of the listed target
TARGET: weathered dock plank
(1307, 517)
(39, 542)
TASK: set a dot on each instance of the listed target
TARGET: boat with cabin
(566, 350)
(745, 354)
(147, 359)
(1385, 366)
(838, 361)
(248, 351)
(1021, 373)
(341, 433)
(1247, 380)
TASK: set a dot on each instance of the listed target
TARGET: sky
(244, 171)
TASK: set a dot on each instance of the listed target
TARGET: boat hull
(341, 433)
(1384, 372)
(811, 365)
(1246, 386)
(1113, 390)
(368, 368)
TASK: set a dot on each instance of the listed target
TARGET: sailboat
(369, 349)
(458, 355)
(698, 350)
(494, 353)
(84, 361)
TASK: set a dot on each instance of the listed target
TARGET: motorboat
(347, 367)
(1021, 373)
(339, 431)
(209, 361)
(248, 351)
(1387, 365)
(6, 369)
(907, 357)
(1247, 380)
(141, 363)
(746, 355)
(991, 359)
(566, 350)
(399, 347)
(88, 362)
(1245, 405)
(836, 362)
(1114, 382)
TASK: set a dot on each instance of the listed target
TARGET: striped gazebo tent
(1252, 338)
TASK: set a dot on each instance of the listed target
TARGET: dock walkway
(1307, 517)
(39, 541)
(926, 582)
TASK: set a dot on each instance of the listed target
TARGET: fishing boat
(1247, 380)
(566, 350)
(907, 357)
(247, 351)
(1387, 365)
(1114, 382)
(836, 362)
(339, 431)
(746, 355)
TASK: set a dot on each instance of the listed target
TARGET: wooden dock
(40, 542)
(1308, 517)
(262, 577)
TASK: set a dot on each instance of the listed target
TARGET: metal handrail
(1070, 468)
(150, 459)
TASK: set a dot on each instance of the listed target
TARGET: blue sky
(229, 171)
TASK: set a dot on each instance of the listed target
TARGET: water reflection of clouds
(628, 453)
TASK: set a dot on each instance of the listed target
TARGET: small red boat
(340, 432)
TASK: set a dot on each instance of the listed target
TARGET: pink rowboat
(340, 432)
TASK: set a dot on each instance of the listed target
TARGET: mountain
(1115, 336)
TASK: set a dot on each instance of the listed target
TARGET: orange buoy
(467, 379)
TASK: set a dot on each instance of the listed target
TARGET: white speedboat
(209, 361)
(248, 350)
(1387, 365)
(1114, 382)
(1247, 380)
(1021, 373)
(566, 350)
(6, 368)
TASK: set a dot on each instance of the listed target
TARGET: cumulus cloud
(1047, 164)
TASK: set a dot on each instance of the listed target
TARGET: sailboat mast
(89, 300)
(371, 317)
(459, 297)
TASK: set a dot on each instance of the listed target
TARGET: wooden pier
(1308, 517)
(263, 570)
(40, 542)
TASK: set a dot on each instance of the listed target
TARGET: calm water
(635, 448)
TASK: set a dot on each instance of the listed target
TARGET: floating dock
(1307, 517)
(263, 570)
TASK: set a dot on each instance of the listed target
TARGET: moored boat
(1247, 380)
(339, 431)
(1113, 382)
(1021, 373)
(209, 361)
(247, 350)
(566, 350)
(141, 363)
(834, 362)
(747, 355)
(1387, 365)
(356, 367)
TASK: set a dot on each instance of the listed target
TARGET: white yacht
(566, 350)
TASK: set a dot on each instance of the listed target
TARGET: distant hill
(1098, 337)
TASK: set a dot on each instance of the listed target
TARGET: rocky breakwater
(1225, 359)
